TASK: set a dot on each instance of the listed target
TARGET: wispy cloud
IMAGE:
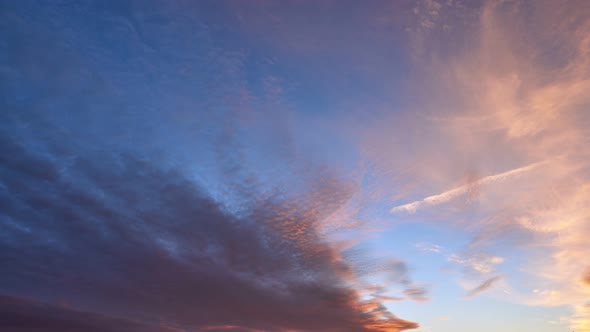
(504, 100)
(476, 263)
(484, 286)
(429, 247)
(461, 190)
(495, 91)
(417, 293)
(586, 278)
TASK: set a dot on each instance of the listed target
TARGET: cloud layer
(115, 234)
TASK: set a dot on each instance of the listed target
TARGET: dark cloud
(117, 235)
(24, 315)
(484, 286)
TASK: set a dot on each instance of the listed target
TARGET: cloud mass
(149, 245)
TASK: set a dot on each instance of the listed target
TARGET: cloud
(21, 315)
(484, 286)
(147, 174)
(476, 263)
(417, 293)
(496, 107)
(394, 274)
(429, 247)
(586, 278)
(111, 199)
(459, 191)
(115, 234)
(499, 110)
(379, 293)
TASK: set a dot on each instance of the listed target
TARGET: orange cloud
(491, 99)
(586, 277)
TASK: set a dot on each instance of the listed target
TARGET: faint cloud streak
(484, 286)
(461, 190)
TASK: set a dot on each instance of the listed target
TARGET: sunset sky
(295, 166)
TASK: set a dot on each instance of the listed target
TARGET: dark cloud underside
(22, 315)
(113, 233)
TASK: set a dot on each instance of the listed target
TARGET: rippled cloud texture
(294, 166)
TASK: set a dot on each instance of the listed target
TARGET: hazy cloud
(484, 286)
(429, 247)
(417, 293)
(586, 278)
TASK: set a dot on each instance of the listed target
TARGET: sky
(294, 166)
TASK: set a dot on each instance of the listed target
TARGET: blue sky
(295, 165)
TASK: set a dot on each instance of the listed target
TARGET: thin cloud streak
(461, 190)
(484, 286)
